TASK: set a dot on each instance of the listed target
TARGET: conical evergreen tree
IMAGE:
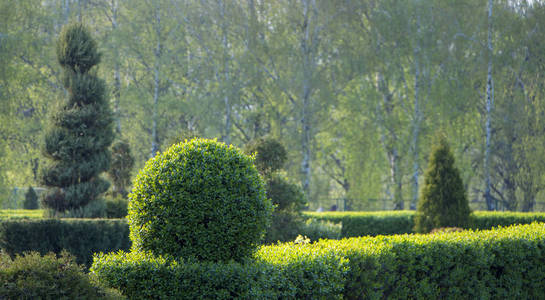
(31, 199)
(443, 201)
(81, 130)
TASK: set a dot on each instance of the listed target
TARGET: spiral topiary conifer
(443, 201)
(81, 130)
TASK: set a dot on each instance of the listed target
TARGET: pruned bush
(80, 237)
(199, 199)
(362, 223)
(31, 276)
(504, 263)
(443, 201)
(80, 130)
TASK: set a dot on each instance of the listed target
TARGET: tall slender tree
(76, 144)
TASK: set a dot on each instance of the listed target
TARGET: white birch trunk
(227, 127)
(489, 106)
(117, 79)
(305, 97)
(417, 115)
(157, 52)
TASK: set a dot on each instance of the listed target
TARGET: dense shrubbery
(443, 201)
(116, 207)
(32, 276)
(504, 263)
(80, 237)
(355, 224)
(199, 199)
(287, 197)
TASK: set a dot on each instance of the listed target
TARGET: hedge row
(355, 224)
(80, 237)
(504, 263)
(21, 213)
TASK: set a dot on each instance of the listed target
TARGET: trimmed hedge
(21, 213)
(311, 275)
(80, 237)
(355, 224)
(504, 263)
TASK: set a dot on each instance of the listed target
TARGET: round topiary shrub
(200, 199)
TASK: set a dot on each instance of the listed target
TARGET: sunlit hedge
(355, 224)
(504, 263)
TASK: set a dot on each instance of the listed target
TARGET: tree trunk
(227, 127)
(154, 137)
(490, 205)
(308, 62)
(117, 79)
(417, 116)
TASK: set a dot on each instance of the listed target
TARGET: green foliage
(317, 229)
(31, 276)
(116, 207)
(270, 155)
(120, 167)
(31, 199)
(76, 49)
(504, 263)
(80, 237)
(443, 201)
(285, 226)
(284, 194)
(142, 276)
(287, 197)
(356, 224)
(80, 134)
(21, 213)
(199, 199)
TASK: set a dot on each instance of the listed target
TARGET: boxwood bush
(200, 199)
(504, 263)
(31, 276)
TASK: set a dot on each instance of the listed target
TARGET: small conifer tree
(120, 168)
(31, 199)
(443, 201)
(81, 129)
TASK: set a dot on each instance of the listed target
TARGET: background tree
(287, 197)
(31, 199)
(121, 166)
(443, 202)
(81, 129)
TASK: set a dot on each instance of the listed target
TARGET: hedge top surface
(199, 199)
